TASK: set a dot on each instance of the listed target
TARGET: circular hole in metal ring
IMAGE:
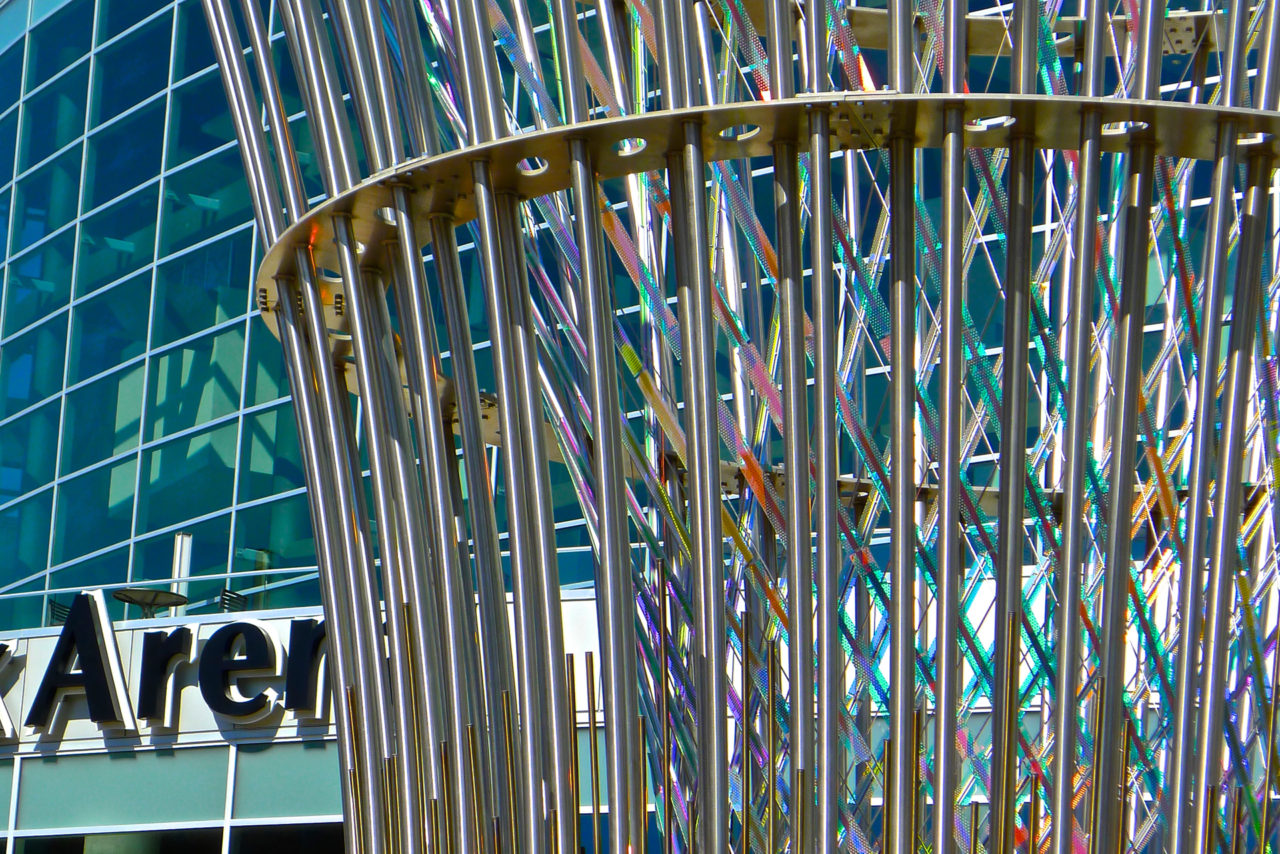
(1124, 128)
(387, 215)
(630, 147)
(532, 166)
(739, 133)
(989, 123)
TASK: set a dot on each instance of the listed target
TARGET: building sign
(241, 670)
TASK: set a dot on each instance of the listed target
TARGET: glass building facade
(142, 395)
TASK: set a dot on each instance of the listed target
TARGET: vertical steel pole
(1183, 786)
(902, 285)
(1079, 329)
(1013, 435)
(1126, 365)
(950, 557)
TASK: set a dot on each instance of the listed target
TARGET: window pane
(54, 116)
(19, 611)
(131, 70)
(187, 784)
(194, 383)
(265, 378)
(274, 535)
(46, 200)
(153, 558)
(39, 282)
(24, 528)
(8, 145)
(199, 120)
(270, 461)
(11, 71)
(28, 448)
(31, 365)
(109, 329)
(202, 200)
(124, 155)
(275, 780)
(95, 510)
(118, 240)
(58, 41)
(202, 288)
(194, 50)
(187, 477)
(110, 568)
(116, 16)
(102, 419)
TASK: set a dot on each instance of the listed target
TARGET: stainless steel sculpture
(930, 476)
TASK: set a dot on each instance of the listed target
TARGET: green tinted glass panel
(58, 41)
(95, 510)
(19, 611)
(275, 780)
(39, 282)
(273, 535)
(123, 155)
(265, 376)
(28, 449)
(153, 558)
(24, 528)
(8, 145)
(187, 477)
(109, 329)
(110, 568)
(31, 365)
(45, 200)
(11, 59)
(201, 288)
(204, 199)
(131, 70)
(102, 419)
(193, 48)
(117, 240)
(199, 120)
(53, 117)
(104, 788)
(116, 16)
(195, 382)
(269, 458)
(292, 590)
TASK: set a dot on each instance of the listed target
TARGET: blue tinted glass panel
(116, 16)
(270, 461)
(273, 535)
(19, 611)
(195, 382)
(8, 145)
(123, 155)
(58, 41)
(54, 116)
(11, 68)
(199, 120)
(31, 365)
(24, 529)
(153, 557)
(109, 329)
(102, 419)
(194, 50)
(202, 288)
(39, 282)
(131, 70)
(46, 200)
(117, 240)
(187, 477)
(204, 199)
(28, 449)
(95, 510)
